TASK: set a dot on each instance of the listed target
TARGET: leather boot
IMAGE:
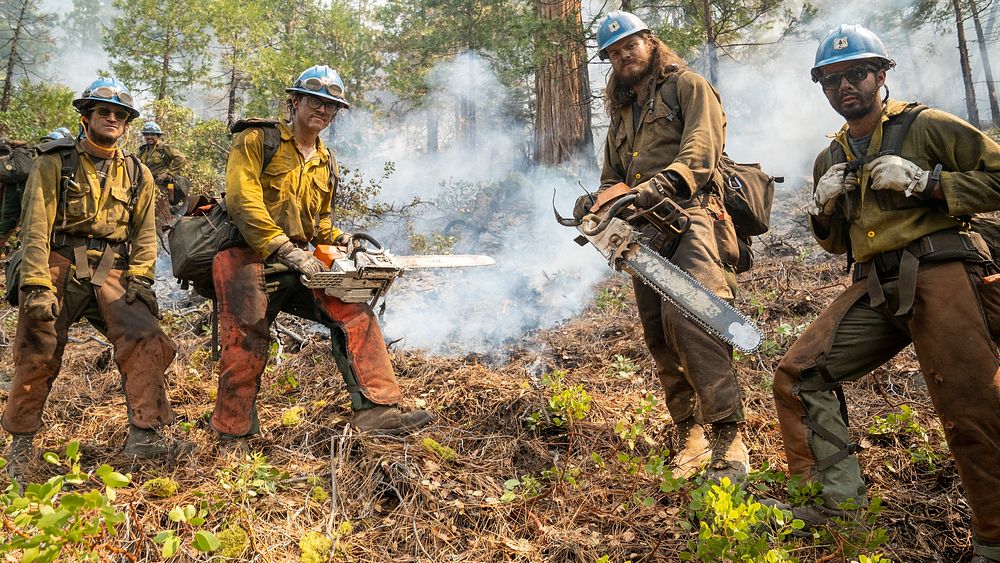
(147, 443)
(985, 553)
(234, 446)
(814, 516)
(693, 449)
(389, 420)
(22, 452)
(730, 457)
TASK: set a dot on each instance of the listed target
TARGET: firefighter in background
(88, 252)
(664, 152)
(167, 165)
(279, 210)
(918, 278)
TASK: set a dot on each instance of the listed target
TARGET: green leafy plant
(926, 447)
(69, 517)
(623, 367)
(609, 298)
(252, 477)
(187, 517)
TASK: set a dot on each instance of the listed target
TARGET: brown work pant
(142, 351)
(246, 311)
(695, 368)
(959, 362)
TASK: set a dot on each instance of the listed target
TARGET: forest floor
(496, 477)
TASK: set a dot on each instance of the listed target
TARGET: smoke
(480, 190)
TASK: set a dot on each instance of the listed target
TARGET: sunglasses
(120, 114)
(315, 103)
(318, 85)
(109, 93)
(855, 75)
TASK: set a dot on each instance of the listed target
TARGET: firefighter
(667, 152)
(167, 165)
(88, 252)
(918, 278)
(279, 210)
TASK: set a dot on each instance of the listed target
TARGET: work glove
(40, 304)
(582, 207)
(832, 185)
(650, 193)
(137, 287)
(342, 239)
(892, 172)
(299, 260)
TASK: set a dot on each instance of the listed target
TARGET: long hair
(663, 61)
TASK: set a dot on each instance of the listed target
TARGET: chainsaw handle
(357, 244)
(612, 212)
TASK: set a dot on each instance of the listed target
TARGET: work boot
(693, 449)
(985, 553)
(147, 443)
(382, 419)
(234, 446)
(814, 516)
(22, 451)
(730, 457)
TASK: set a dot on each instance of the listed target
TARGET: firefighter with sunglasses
(894, 191)
(279, 210)
(88, 250)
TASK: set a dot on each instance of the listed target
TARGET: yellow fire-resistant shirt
(162, 159)
(883, 220)
(290, 200)
(87, 211)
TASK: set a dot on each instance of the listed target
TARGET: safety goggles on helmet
(855, 75)
(314, 84)
(109, 93)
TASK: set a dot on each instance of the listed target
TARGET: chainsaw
(362, 271)
(608, 227)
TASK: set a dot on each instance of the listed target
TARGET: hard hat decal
(615, 26)
(839, 43)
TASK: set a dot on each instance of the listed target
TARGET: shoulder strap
(668, 89)
(272, 137)
(894, 131)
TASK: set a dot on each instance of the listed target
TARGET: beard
(101, 139)
(866, 102)
(631, 78)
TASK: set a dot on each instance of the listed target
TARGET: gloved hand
(299, 260)
(342, 239)
(831, 186)
(583, 204)
(652, 192)
(137, 287)
(892, 172)
(40, 304)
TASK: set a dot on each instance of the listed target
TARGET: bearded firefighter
(279, 210)
(894, 191)
(660, 152)
(89, 247)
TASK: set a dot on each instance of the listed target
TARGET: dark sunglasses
(855, 75)
(120, 114)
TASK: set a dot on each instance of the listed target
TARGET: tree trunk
(161, 92)
(467, 104)
(711, 48)
(963, 51)
(8, 80)
(231, 95)
(987, 69)
(562, 87)
(432, 130)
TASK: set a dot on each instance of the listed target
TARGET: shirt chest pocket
(662, 125)
(79, 203)
(320, 192)
(277, 179)
(116, 209)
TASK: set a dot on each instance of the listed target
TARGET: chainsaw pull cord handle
(612, 212)
(357, 244)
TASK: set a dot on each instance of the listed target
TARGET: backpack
(15, 164)
(747, 190)
(206, 227)
(987, 225)
(70, 162)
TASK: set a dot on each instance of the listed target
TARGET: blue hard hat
(108, 90)
(151, 128)
(52, 136)
(615, 26)
(849, 43)
(64, 132)
(323, 82)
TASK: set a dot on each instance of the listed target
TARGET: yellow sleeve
(38, 212)
(245, 194)
(142, 224)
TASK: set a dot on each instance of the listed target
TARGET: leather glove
(299, 260)
(40, 304)
(652, 192)
(831, 185)
(142, 289)
(582, 207)
(892, 172)
(342, 239)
